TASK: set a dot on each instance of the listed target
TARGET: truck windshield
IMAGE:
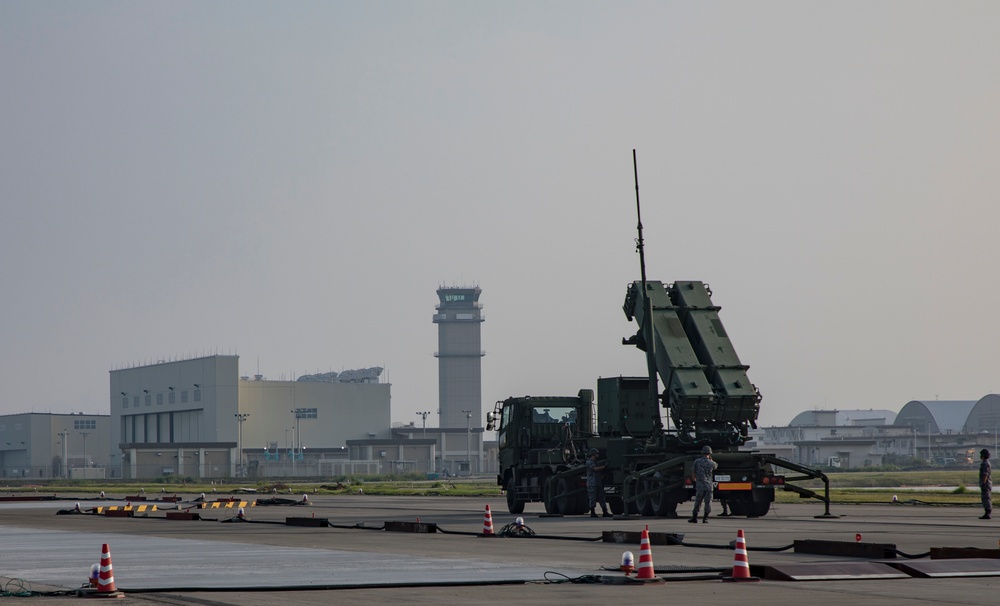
(555, 414)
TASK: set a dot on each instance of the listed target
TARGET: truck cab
(538, 437)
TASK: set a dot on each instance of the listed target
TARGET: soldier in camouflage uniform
(595, 485)
(703, 473)
(985, 483)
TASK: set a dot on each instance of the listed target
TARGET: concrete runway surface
(265, 561)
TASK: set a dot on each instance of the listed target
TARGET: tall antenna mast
(647, 306)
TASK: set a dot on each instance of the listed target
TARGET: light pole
(929, 458)
(423, 414)
(468, 438)
(300, 413)
(241, 416)
(65, 453)
(287, 450)
(295, 431)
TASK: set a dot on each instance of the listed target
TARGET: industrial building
(454, 448)
(43, 445)
(199, 418)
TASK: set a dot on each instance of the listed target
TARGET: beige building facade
(200, 418)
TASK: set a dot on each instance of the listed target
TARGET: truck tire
(514, 505)
(551, 507)
(750, 509)
(643, 502)
(661, 503)
(616, 505)
(632, 509)
(758, 509)
(565, 503)
(665, 507)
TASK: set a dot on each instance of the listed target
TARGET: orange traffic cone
(644, 571)
(741, 565)
(488, 523)
(106, 576)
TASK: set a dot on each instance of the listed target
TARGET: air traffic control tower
(459, 318)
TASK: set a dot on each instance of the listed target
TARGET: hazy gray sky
(293, 181)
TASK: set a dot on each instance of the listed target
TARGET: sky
(292, 182)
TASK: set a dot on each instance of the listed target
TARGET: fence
(47, 472)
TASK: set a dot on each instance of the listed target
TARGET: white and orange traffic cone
(741, 564)
(488, 523)
(644, 571)
(106, 576)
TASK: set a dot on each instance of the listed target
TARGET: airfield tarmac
(212, 562)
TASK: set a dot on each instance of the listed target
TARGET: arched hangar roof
(941, 416)
(985, 415)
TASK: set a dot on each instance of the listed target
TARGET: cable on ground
(19, 588)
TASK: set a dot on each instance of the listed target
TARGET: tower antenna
(647, 306)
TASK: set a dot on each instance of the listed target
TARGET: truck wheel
(514, 505)
(616, 505)
(565, 502)
(758, 510)
(666, 508)
(644, 503)
(551, 507)
(661, 503)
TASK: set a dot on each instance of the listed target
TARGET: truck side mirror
(489, 421)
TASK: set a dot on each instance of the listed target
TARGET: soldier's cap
(593, 451)
(985, 453)
(706, 450)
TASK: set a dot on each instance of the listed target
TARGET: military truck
(543, 441)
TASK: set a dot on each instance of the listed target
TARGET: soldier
(703, 474)
(595, 485)
(985, 483)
